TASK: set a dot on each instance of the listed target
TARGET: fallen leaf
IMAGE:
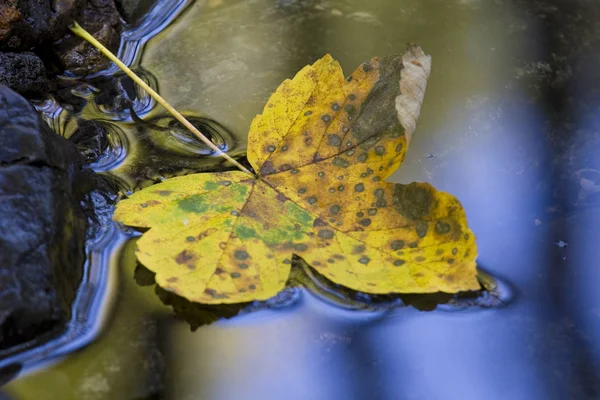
(322, 147)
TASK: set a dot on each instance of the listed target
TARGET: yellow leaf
(322, 147)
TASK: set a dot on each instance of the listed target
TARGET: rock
(133, 10)
(43, 229)
(102, 19)
(23, 72)
(25, 24)
(43, 25)
(91, 139)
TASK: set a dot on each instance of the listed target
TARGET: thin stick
(79, 31)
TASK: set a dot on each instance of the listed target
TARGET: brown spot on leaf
(358, 249)
(319, 223)
(300, 247)
(412, 201)
(421, 229)
(334, 140)
(184, 257)
(397, 244)
(442, 228)
(326, 234)
(267, 168)
(365, 222)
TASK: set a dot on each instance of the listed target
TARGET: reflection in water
(306, 280)
(510, 119)
(174, 137)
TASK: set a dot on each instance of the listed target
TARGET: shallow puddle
(509, 126)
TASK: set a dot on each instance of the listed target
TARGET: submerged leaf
(323, 147)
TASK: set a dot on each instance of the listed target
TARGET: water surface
(509, 125)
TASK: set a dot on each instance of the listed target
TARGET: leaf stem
(79, 31)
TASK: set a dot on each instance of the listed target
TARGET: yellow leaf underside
(323, 147)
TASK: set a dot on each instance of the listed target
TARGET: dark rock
(102, 19)
(42, 229)
(23, 73)
(43, 25)
(25, 24)
(133, 10)
(91, 139)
